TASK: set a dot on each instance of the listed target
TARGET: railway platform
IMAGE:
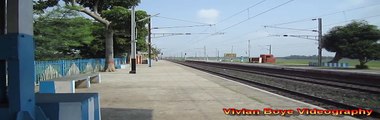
(168, 91)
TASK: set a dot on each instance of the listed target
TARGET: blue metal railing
(45, 70)
(325, 64)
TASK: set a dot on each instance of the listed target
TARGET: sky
(227, 25)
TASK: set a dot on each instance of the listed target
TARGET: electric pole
(270, 49)
(133, 42)
(185, 56)
(317, 38)
(319, 41)
(150, 42)
(249, 49)
(204, 50)
(217, 54)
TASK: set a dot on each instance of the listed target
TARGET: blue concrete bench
(68, 84)
(68, 106)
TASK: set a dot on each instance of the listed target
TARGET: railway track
(324, 90)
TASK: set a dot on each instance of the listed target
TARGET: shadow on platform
(126, 114)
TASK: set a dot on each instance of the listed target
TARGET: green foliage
(357, 40)
(304, 57)
(363, 50)
(122, 43)
(361, 67)
(73, 7)
(123, 3)
(156, 52)
(142, 30)
(121, 24)
(59, 35)
(40, 5)
(105, 4)
(117, 13)
(120, 18)
(339, 37)
(96, 49)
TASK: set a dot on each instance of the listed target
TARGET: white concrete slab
(168, 91)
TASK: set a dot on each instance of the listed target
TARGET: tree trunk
(336, 58)
(110, 65)
(363, 61)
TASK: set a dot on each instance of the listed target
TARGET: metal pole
(218, 55)
(249, 49)
(149, 43)
(205, 53)
(3, 81)
(3, 14)
(270, 49)
(3, 84)
(133, 42)
(319, 41)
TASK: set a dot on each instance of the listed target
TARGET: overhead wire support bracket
(309, 37)
(290, 28)
(159, 35)
(209, 25)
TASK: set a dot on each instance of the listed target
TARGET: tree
(356, 40)
(122, 27)
(121, 37)
(365, 51)
(96, 49)
(156, 52)
(60, 33)
(98, 10)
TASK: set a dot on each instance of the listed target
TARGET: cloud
(208, 15)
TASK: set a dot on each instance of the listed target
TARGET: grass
(304, 62)
(374, 65)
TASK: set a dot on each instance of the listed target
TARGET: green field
(305, 62)
(374, 65)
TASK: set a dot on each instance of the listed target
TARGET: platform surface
(168, 91)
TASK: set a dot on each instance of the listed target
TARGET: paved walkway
(168, 91)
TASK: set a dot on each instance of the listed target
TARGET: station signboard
(230, 55)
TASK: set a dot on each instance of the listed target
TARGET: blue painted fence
(45, 70)
(337, 65)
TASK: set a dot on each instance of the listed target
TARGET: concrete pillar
(3, 82)
(17, 50)
(2, 17)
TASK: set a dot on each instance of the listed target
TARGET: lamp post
(149, 36)
(149, 44)
(133, 42)
(319, 41)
